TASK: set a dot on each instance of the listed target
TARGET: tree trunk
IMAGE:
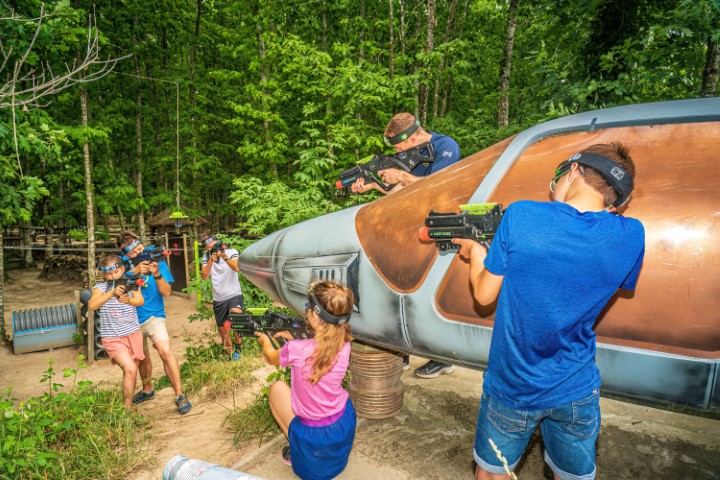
(423, 94)
(446, 39)
(503, 104)
(362, 32)
(139, 163)
(263, 82)
(401, 33)
(89, 195)
(27, 245)
(193, 102)
(2, 286)
(711, 72)
(121, 217)
(392, 38)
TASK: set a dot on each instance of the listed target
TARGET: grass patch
(208, 368)
(256, 420)
(83, 433)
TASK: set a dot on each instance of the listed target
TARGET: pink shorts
(132, 344)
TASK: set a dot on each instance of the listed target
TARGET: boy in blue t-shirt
(404, 132)
(158, 285)
(555, 265)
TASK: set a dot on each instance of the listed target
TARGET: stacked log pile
(66, 267)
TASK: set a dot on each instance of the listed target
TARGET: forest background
(245, 111)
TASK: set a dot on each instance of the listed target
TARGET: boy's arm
(232, 261)
(207, 265)
(485, 285)
(162, 283)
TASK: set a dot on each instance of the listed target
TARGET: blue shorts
(319, 453)
(569, 433)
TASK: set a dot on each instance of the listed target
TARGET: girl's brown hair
(330, 338)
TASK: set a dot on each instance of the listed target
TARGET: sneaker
(433, 369)
(286, 455)
(183, 404)
(406, 361)
(143, 396)
(235, 356)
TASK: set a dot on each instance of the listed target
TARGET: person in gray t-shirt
(221, 265)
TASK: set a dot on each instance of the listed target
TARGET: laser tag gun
(151, 253)
(269, 322)
(406, 161)
(131, 281)
(477, 222)
(218, 247)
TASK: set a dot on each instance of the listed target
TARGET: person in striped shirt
(119, 326)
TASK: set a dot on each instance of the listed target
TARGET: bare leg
(225, 338)
(234, 337)
(172, 369)
(481, 474)
(130, 370)
(280, 405)
(146, 368)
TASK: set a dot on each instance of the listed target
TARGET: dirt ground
(431, 437)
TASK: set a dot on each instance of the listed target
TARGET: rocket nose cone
(258, 263)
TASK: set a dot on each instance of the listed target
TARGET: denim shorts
(569, 433)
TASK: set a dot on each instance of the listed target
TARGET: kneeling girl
(315, 412)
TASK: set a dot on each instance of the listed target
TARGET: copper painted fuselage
(662, 343)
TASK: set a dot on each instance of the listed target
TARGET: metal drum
(184, 468)
(375, 386)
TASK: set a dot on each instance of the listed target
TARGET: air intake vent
(299, 273)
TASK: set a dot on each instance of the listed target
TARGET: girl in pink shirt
(315, 412)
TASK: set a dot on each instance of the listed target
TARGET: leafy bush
(256, 421)
(208, 368)
(84, 433)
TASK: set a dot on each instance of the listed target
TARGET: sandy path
(431, 437)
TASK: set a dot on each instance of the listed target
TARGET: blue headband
(109, 268)
(129, 248)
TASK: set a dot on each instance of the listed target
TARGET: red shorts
(132, 344)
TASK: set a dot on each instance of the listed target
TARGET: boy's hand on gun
(469, 248)
(143, 268)
(152, 268)
(392, 176)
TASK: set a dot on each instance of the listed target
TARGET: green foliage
(265, 207)
(83, 433)
(256, 420)
(276, 98)
(208, 370)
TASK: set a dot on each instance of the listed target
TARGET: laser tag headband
(209, 240)
(326, 316)
(617, 177)
(404, 135)
(110, 268)
(129, 247)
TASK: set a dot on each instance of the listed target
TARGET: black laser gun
(477, 222)
(406, 160)
(129, 280)
(266, 321)
(151, 253)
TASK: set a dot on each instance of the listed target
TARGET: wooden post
(91, 336)
(185, 259)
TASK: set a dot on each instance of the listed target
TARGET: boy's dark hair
(618, 153)
(398, 124)
(126, 237)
